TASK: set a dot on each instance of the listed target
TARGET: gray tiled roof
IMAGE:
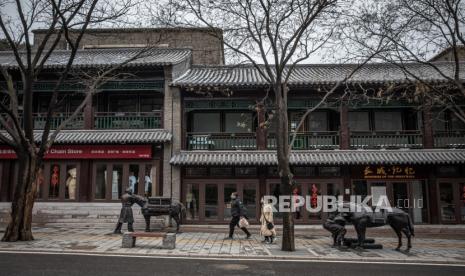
(320, 157)
(308, 74)
(107, 57)
(117, 136)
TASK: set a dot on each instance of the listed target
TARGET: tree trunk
(19, 226)
(282, 141)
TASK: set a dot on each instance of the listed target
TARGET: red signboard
(89, 152)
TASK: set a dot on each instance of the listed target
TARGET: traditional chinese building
(188, 127)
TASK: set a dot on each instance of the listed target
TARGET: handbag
(269, 225)
(243, 222)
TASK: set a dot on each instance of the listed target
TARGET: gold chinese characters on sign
(389, 172)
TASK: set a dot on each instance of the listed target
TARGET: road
(56, 264)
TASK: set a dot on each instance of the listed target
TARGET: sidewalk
(201, 244)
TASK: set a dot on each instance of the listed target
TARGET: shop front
(83, 173)
(404, 186)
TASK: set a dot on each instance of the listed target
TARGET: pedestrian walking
(267, 228)
(238, 214)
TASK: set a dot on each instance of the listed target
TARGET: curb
(235, 257)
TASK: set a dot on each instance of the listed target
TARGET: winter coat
(267, 216)
(237, 208)
(126, 215)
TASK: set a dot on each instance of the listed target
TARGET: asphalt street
(59, 264)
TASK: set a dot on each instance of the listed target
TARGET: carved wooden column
(344, 138)
(428, 136)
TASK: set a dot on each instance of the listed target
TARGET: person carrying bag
(238, 217)
(267, 228)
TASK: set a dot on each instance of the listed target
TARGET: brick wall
(207, 48)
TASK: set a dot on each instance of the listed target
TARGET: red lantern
(314, 197)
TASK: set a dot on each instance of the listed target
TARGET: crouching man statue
(127, 200)
(335, 224)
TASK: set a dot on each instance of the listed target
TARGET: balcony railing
(310, 140)
(127, 120)
(386, 139)
(449, 139)
(56, 120)
(221, 141)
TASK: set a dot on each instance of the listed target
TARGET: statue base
(369, 243)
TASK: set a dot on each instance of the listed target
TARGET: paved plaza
(201, 244)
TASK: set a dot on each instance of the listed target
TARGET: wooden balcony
(57, 120)
(128, 120)
(386, 139)
(449, 139)
(221, 141)
(310, 140)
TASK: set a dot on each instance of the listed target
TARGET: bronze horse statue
(363, 217)
(159, 206)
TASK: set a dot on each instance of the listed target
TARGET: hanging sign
(389, 172)
(89, 152)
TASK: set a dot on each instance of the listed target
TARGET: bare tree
(274, 36)
(414, 32)
(63, 20)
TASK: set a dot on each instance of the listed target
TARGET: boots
(246, 232)
(118, 228)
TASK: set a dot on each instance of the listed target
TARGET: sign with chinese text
(389, 172)
(89, 152)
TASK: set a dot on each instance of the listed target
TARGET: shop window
(238, 122)
(71, 182)
(314, 192)
(101, 181)
(227, 191)
(149, 183)
(378, 191)
(206, 122)
(54, 187)
(196, 171)
(359, 121)
(221, 171)
(388, 120)
(360, 188)
(246, 171)
(446, 201)
(250, 200)
(133, 181)
(296, 192)
(329, 171)
(420, 202)
(275, 190)
(333, 189)
(117, 182)
(192, 202)
(211, 201)
(304, 171)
